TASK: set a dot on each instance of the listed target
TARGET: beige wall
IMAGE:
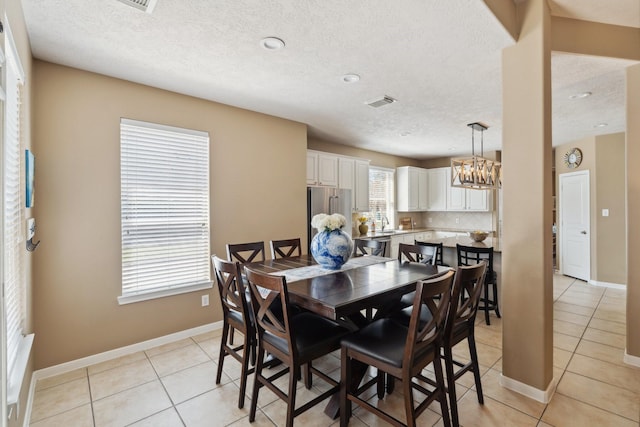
(258, 192)
(603, 157)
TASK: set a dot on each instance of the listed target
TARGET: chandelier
(476, 172)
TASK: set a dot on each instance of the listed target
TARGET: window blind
(381, 194)
(164, 209)
(14, 275)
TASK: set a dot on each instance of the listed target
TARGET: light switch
(605, 212)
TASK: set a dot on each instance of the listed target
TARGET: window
(164, 210)
(382, 195)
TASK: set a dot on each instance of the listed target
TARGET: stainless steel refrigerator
(327, 201)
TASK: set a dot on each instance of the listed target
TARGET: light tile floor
(173, 385)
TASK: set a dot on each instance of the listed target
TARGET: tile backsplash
(458, 220)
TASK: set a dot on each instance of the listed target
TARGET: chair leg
(306, 373)
(495, 298)
(256, 385)
(476, 367)
(380, 383)
(223, 342)
(408, 401)
(444, 408)
(231, 338)
(486, 304)
(244, 374)
(291, 398)
(345, 377)
(391, 384)
(451, 386)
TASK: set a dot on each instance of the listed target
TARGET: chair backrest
(270, 317)
(363, 247)
(231, 288)
(470, 255)
(285, 248)
(416, 253)
(439, 250)
(465, 297)
(433, 295)
(245, 252)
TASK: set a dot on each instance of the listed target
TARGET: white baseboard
(108, 355)
(543, 396)
(607, 284)
(631, 360)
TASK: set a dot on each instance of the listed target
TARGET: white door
(575, 246)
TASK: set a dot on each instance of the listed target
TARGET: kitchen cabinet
(463, 199)
(408, 238)
(412, 189)
(353, 174)
(437, 189)
(322, 169)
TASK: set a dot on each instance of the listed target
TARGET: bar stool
(470, 255)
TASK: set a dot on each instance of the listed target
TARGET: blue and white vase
(331, 249)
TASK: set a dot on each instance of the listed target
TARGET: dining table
(361, 283)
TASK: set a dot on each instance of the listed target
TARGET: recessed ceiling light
(350, 78)
(601, 125)
(272, 43)
(405, 133)
(580, 95)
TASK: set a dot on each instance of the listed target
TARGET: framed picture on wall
(30, 167)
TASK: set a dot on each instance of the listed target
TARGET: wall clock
(573, 158)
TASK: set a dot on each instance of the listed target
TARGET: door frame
(561, 177)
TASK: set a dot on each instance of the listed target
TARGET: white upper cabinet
(322, 169)
(463, 199)
(411, 189)
(353, 174)
(437, 189)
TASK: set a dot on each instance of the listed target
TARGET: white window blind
(164, 210)
(382, 194)
(14, 244)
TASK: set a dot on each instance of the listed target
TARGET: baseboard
(123, 351)
(543, 396)
(607, 284)
(631, 360)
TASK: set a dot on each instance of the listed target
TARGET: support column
(632, 143)
(527, 290)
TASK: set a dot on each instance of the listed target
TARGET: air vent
(143, 5)
(385, 100)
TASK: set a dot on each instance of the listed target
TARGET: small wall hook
(32, 246)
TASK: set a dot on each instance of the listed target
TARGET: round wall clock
(573, 158)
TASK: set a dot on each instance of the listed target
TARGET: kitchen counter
(451, 242)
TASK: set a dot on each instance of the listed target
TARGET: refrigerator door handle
(331, 204)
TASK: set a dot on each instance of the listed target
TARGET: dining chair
(439, 251)
(245, 252)
(469, 255)
(285, 248)
(363, 247)
(294, 340)
(402, 352)
(460, 325)
(236, 314)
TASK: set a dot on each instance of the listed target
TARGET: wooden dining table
(364, 282)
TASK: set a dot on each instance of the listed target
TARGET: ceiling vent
(143, 5)
(385, 100)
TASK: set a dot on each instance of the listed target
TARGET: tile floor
(173, 385)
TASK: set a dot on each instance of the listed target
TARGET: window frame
(390, 199)
(172, 164)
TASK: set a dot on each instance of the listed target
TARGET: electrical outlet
(205, 300)
(457, 220)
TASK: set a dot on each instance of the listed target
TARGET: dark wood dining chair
(402, 352)
(294, 340)
(236, 314)
(363, 247)
(285, 248)
(469, 255)
(439, 251)
(460, 325)
(416, 253)
(245, 252)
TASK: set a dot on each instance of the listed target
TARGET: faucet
(383, 220)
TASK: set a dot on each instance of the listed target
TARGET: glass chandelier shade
(476, 172)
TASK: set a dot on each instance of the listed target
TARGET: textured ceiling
(439, 59)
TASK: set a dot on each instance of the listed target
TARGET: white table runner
(302, 273)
